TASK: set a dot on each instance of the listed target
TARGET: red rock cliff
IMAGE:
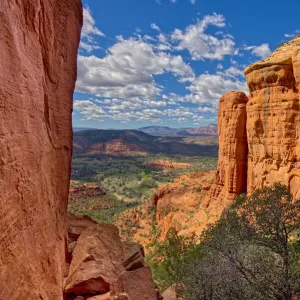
(231, 175)
(38, 49)
(273, 119)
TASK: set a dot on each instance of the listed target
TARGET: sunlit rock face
(231, 175)
(38, 50)
(273, 119)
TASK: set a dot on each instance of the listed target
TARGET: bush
(252, 252)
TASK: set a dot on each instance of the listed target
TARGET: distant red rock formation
(114, 146)
(211, 129)
(166, 164)
(38, 46)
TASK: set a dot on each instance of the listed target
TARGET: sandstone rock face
(182, 205)
(38, 50)
(104, 268)
(97, 261)
(273, 119)
(231, 175)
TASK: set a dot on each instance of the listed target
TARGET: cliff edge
(38, 50)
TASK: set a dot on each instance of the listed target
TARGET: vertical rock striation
(273, 119)
(38, 49)
(260, 140)
(231, 175)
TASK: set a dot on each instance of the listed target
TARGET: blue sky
(168, 62)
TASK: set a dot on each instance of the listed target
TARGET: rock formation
(261, 146)
(115, 146)
(38, 50)
(273, 119)
(181, 204)
(231, 175)
(96, 261)
(259, 142)
(102, 267)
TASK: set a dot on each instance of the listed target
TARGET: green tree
(252, 252)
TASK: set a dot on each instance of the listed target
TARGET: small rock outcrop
(104, 268)
(38, 52)
(96, 261)
(231, 175)
(273, 116)
(133, 256)
(181, 205)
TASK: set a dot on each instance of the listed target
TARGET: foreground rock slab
(97, 261)
(38, 51)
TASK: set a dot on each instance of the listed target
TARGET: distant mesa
(138, 142)
(211, 129)
(82, 128)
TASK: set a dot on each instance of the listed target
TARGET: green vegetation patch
(252, 252)
(104, 209)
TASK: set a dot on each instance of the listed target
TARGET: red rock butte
(273, 119)
(231, 175)
(259, 136)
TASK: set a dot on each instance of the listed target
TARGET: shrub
(252, 252)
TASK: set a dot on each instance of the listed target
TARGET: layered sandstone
(273, 119)
(231, 175)
(38, 50)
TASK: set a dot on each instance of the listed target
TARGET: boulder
(97, 261)
(38, 53)
(133, 256)
(77, 225)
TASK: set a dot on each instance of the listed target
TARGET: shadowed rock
(133, 256)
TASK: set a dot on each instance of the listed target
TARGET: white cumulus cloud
(202, 45)
(262, 51)
(89, 31)
(128, 69)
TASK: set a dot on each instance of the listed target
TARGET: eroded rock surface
(97, 261)
(273, 119)
(38, 50)
(104, 268)
(231, 175)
